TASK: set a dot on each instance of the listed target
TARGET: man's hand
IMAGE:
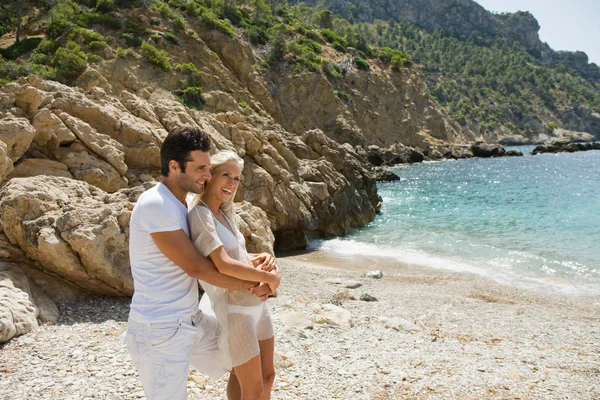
(264, 261)
(262, 290)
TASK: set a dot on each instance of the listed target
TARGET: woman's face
(224, 182)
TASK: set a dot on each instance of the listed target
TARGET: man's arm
(177, 247)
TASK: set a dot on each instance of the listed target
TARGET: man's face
(196, 172)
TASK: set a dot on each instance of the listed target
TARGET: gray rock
(376, 274)
(351, 284)
(367, 297)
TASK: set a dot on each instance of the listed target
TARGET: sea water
(531, 221)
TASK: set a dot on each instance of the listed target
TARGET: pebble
(367, 297)
(376, 274)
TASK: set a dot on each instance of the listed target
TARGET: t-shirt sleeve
(156, 216)
(203, 230)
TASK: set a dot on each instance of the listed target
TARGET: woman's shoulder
(201, 211)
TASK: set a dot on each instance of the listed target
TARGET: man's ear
(174, 166)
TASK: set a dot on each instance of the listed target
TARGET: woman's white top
(208, 234)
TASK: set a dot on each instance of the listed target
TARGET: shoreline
(431, 335)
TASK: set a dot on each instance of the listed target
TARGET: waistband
(192, 319)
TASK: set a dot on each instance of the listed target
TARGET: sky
(565, 24)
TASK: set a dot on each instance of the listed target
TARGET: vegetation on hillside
(489, 83)
(492, 84)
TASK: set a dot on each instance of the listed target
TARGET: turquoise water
(533, 221)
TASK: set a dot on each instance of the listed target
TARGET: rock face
(24, 306)
(462, 17)
(71, 229)
(69, 159)
(375, 107)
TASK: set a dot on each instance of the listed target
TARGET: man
(166, 331)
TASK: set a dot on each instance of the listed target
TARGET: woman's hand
(264, 261)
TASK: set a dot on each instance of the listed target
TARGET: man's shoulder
(154, 200)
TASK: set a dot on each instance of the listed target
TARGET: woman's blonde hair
(217, 160)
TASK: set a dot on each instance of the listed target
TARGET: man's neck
(177, 191)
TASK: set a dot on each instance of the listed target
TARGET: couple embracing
(177, 242)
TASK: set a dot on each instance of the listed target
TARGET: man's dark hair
(179, 144)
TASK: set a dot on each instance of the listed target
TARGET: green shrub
(310, 44)
(210, 19)
(63, 18)
(132, 40)
(338, 42)
(243, 104)
(165, 11)
(89, 35)
(123, 53)
(396, 58)
(135, 28)
(97, 46)
(305, 55)
(107, 21)
(160, 58)
(551, 126)
(398, 62)
(12, 70)
(92, 58)
(18, 49)
(44, 52)
(331, 70)
(105, 6)
(69, 62)
(257, 35)
(361, 63)
(192, 97)
(179, 24)
(169, 37)
(342, 95)
(236, 16)
(193, 76)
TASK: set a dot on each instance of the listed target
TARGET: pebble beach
(344, 333)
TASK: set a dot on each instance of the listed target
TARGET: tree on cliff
(12, 13)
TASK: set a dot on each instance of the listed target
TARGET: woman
(246, 344)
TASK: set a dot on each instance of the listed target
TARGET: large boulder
(17, 134)
(486, 150)
(254, 225)
(23, 306)
(71, 229)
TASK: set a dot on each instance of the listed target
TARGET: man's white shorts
(162, 353)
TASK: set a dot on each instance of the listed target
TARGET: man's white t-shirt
(162, 290)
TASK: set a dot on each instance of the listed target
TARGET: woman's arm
(237, 269)
(264, 261)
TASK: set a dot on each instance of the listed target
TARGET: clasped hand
(265, 262)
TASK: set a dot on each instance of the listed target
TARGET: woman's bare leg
(234, 391)
(267, 352)
(250, 378)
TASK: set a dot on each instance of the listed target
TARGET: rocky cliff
(464, 18)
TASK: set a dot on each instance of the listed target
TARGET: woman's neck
(212, 202)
